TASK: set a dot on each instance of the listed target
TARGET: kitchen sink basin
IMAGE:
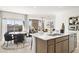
(54, 34)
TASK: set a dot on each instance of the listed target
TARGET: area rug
(27, 44)
(15, 46)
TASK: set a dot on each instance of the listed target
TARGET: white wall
(0, 26)
(58, 21)
(63, 17)
(0, 29)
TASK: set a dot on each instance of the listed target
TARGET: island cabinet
(41, 46)
(50, 46)
(61, 45)
(57, 45)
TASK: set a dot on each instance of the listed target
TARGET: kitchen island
(55, 43)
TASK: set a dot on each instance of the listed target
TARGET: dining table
(17, 33)
(16, 36)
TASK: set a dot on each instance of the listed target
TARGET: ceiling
(38, 9)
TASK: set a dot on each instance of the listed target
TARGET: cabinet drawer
(51, 42)
(61, 39)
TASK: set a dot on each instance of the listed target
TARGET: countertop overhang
(44, 36)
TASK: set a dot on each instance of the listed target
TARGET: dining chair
(19, 38)
(8, 38)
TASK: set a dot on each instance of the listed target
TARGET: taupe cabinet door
(62, 47)
(41, 46)
(51, 49)
(59, 47)
(65, 46)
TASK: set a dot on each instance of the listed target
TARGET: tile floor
(27, 49)
(20, 50)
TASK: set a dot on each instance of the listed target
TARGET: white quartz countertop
(45, 36)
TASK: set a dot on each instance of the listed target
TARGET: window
(11, 26)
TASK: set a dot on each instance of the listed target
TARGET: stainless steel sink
(54, 34)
